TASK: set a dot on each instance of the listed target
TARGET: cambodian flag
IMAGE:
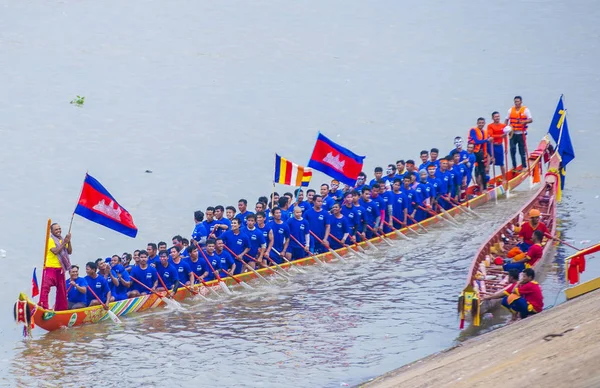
(35, 289)
(97, 205)
(336, 161)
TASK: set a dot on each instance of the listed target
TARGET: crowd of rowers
(295, 225)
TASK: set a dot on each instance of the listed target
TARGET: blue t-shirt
(317, 221)
(339, 226)
(371, 211)
(214, 261)
(100, 287)
(236, 242)
(168, 274)
(328, 202)
(361, 217)
(445, 181)
(199, 266)
(209, 226)
(183, 270)
(337, 195)
(435, 186)
(471, 158)
(411, 196)
(351, 214)
(304, 205)
(119, 291)
(74, 296)
(298, 229)
(242, 217)
(265, 231)
(222, 221)
(199, 234)
(280, 233)
(381, 205)
(146, 276)
(225, 261)
(399, 205)
(257, 240)
(423, 192)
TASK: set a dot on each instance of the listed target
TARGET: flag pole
(73, 214)
(46, 252)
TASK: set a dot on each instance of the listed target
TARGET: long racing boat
(26, 311)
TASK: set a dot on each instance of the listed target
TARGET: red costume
(532, 293)
(527, 231)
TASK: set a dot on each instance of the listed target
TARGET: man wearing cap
(518, 118)
(527, 229)
(526, 298)
(534, 254)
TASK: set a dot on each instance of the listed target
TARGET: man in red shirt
(527, 229)
(534, 254)
(526, 298)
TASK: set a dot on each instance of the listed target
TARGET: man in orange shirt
(496, 131)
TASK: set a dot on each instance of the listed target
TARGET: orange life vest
(515, 117)
(481, 134)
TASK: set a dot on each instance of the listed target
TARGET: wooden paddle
(112, 315)
(464, 208)
(206, 285)
(405, 225)
(417, 222)
(250, 267)
(330, 250)
(284, 275)
(348, 247)
(169, 302)
(382, 238)
(398, 233)
(241, 283)
(292, 264)
(216, 273)
(314, 257)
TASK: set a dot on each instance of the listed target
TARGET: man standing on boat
(479, 138)
(56, 265)
(496, 131)
(199, 234)
(518, 118)
(318, 222)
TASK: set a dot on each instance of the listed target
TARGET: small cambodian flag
(35, 289)
(336, 161)
(97, 205)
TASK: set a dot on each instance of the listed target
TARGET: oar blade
(371, 245)
(114, 317)
(246, 286)
(225, 288)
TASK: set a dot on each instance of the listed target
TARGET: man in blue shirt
(340, 228)
(222, 224)
(200, 233)
(424, 160)
(362, 221)
(423, 196)
(184, 272)
(225, 260)
(300, 202)
(335, 193)
(238, 243)
(351, 214)
(244, 212)
(209, 222)
(257, 241)
(390, 175)
(76, 289)
(166, 272)
(433, 157)
(371, 214)
(378, 173)
(411, 196)
(99, 286)
(284, 206)
(144, 273)
(327, 200)
(435, 185)
(118, 279)
(446, 184)
(198, 266)
(279, 238)
(399, 209)
(210, 254)
(318, 223)
(299, 230)
(470, 162)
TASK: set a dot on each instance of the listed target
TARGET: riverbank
(557, 348)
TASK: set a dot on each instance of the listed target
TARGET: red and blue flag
(336, 161)
(97, 205)
(35, 289)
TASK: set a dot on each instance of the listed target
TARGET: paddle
(348, 247)
(464, 208)
(417, 222)
(292, 264)
(561, 241)
(248, 266)
(172, 303)
(436, 215)
(193, 292)
(447, 214)
(112, 315)
(405, 225)
(398, 233)
(284, 275)
(241, 283)
(369, 243)
(382, 238)
(314, 257)
(275, 263)
(206, 285)
(170, 297)
(330, 250)
(216, 273)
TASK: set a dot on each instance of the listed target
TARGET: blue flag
(557, 120)
(565, 150)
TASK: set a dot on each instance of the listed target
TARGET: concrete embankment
(559, 348)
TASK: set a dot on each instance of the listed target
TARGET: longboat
(484, 276)
(26, 311)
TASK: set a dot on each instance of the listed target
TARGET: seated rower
(238, 243)
(166, 272)
(145, 274)
(513, 278)
(339, 227)
(198, 266)
(526, 298)
(76, 290)
(213, 259)
(256, 239)
(261, 225)
(299, 229)
(98, 284)
(527, 229)
(225, 261)
(534, 254)
(184, 272)
(279, 238)
(371, 214)
(118, 279)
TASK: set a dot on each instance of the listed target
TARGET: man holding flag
(57, 263)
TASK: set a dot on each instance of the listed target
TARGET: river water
(203, 94)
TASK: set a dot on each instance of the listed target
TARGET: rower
(424, 155)
(256, 238)
(198, 266)
(378, 173)
(390, 175)
(458, 147)
(300, 202)
(340, 227)
(410, 168)
(284, 206)
(200, 233)
(400, 168)
(470, 162)
(371, 214)
(433, 157)
(225, 260)
(214, 259)
(318, 223)
(209, 222)
(77, 289)
(518, 118)
(230, 213)
(310, 196)
(136, 260)
(244, 212)
(184, 272)
(57, 263)
(335, 192)
(351, 214)
(381, 205)
(327, 200)
(98, 284)
(118, 279)
(153, 258)
(279, 238)
(534, 254)
(399, 209)
(166, 271)
(527, 229)
(462, 171)
(496, 131)
(435, 185)
(445, 187)
(222, 224)
(238, 242)
(161, 246)
(513, 278)
(423, 196)
(455, 178)
(360, 210)
(145, 274)
(299, 229)
(261, 224)
(411, 197)
(526, 298)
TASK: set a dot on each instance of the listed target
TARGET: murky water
(203, 94)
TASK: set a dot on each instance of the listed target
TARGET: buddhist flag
(288, 173)
(557, 120)
(97, 205)
(336, 161)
